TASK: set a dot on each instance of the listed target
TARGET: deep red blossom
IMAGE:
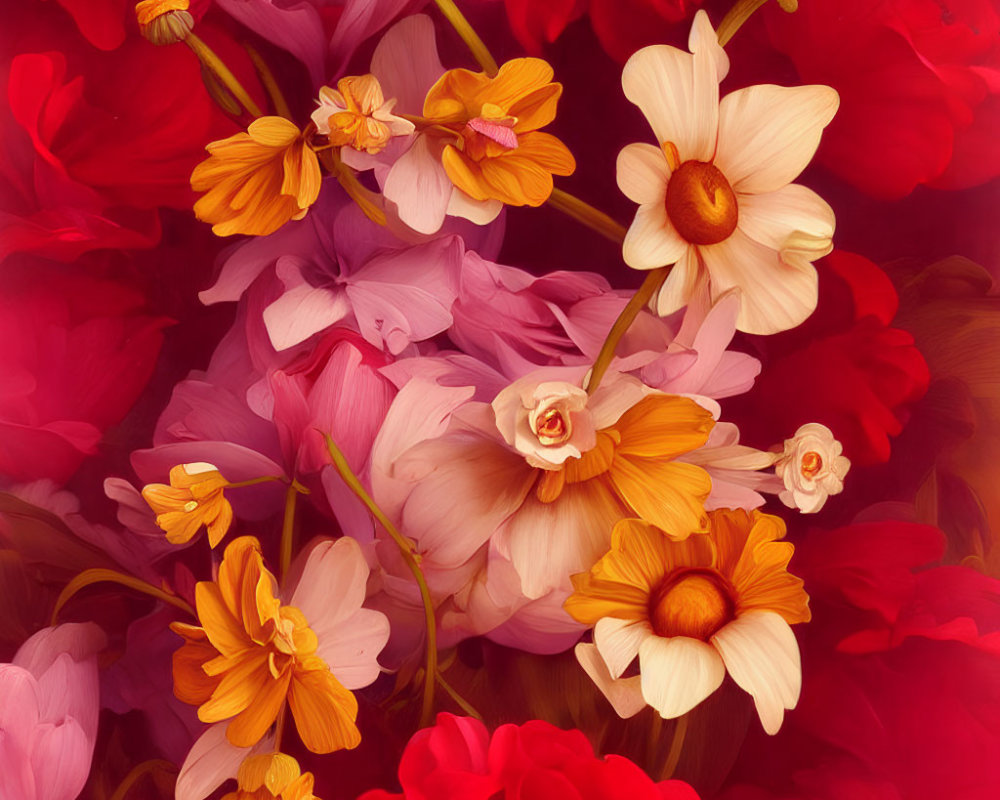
(75, 352)
(845, 367)
(919, 84)
(458, 760)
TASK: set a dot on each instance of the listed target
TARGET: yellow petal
(537, 109)
(252, 723)
(516, 80)
(663, 426)
(670, 495)
(238, 688)
(224, 631)
(324, 711)
(547, 151)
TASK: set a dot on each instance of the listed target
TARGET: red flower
(845, 367)
(457, 760)
(92, 143)
(919, 84)
(75, 352)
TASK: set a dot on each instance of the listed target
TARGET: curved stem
(100, 575)
(676, 745)
(461, 25)
(254, 481)
(287, 532)
(585, 213)
(270, 83)
(138, 772)
(223, 73)
(734, 19)
(365, 199)
(652, 283)
(412, 561)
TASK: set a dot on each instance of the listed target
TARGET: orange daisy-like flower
(252, 653)
(256, 181)
(272, 776)
(499, 152)
(691, 611)
(193, 499)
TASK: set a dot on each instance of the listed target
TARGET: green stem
(676, 745)
(100, 575)
(287, 532)
(652, 283)
(140, 771)
(270, 84)
(462, 27)
(734, 19)
(585, 213)
(255, 481)
(223, 73)
(412, 561)
(464, 704)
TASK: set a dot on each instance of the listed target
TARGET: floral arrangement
(588, 399)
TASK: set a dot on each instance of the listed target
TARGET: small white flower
(811, 467)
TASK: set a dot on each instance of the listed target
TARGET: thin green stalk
(412, 561)
(676, 746)
(462, 27)
(734, 19)
(651, 285)
(464, 704)
(586, 214)
(287, 531)
(223, 73)
(254, 481)
(138, 772)
(270, 84)
(100, 575)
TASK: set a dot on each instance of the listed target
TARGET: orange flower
(252, 654)
(357, 115)
(692, 610)
(255, 182)
(500, 154)
(272, 776)
(194, 498)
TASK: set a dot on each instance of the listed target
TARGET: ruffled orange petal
(324, 711)
(252, 723)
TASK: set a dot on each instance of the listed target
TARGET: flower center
(694, 604)
(701, 204)
(489, 134)
(812, 463)
(552, 427)
(190, 506)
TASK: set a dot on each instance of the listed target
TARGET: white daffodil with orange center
(356, 114)
(252, 651)
(715, 194)
(692, 610)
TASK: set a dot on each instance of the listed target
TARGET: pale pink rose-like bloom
(811, 467)
(49, 703)
(330, 592)
(715, 192)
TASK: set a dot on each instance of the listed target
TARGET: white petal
(643, 173)
(212, 760)
(652, 241)
(419, 186)
(352, 651)
(762, 656)
(775, 294)
(332, 586)
(624, 694)
(768, 134)
(479, 212)
(679, 95)
(678, 673)
(680, 284)
(771, 218)
(704, 38)
(618, 641)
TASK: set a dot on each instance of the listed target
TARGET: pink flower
(48, 713)
(75, 352)
(457, 759)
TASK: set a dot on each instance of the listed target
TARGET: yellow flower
(691, 610)
(356, 114)
(500, 154)
(193, 499)
(272, 776)
(252, 653)
(164, 21)
(255, 182)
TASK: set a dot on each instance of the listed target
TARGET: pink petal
(212, 761)
(406, 62)
(60, 759)
(419, 186)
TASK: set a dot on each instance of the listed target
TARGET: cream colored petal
(618, 642)
(761, 654)
(652, 241)
(643, 173)
(211, 761)
(678, 673)
(775, 295)
(681, 283)
(624, 694)
(480, 212)
(768, 134)
(771, 218)
(679, 95)
(703, 38)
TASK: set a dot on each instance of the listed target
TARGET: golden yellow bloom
(691, 610)
(356, 114)
(164, 21)
(194, 498)
(256, 181)
(500, 154)
(252, 653)
(272, 776)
